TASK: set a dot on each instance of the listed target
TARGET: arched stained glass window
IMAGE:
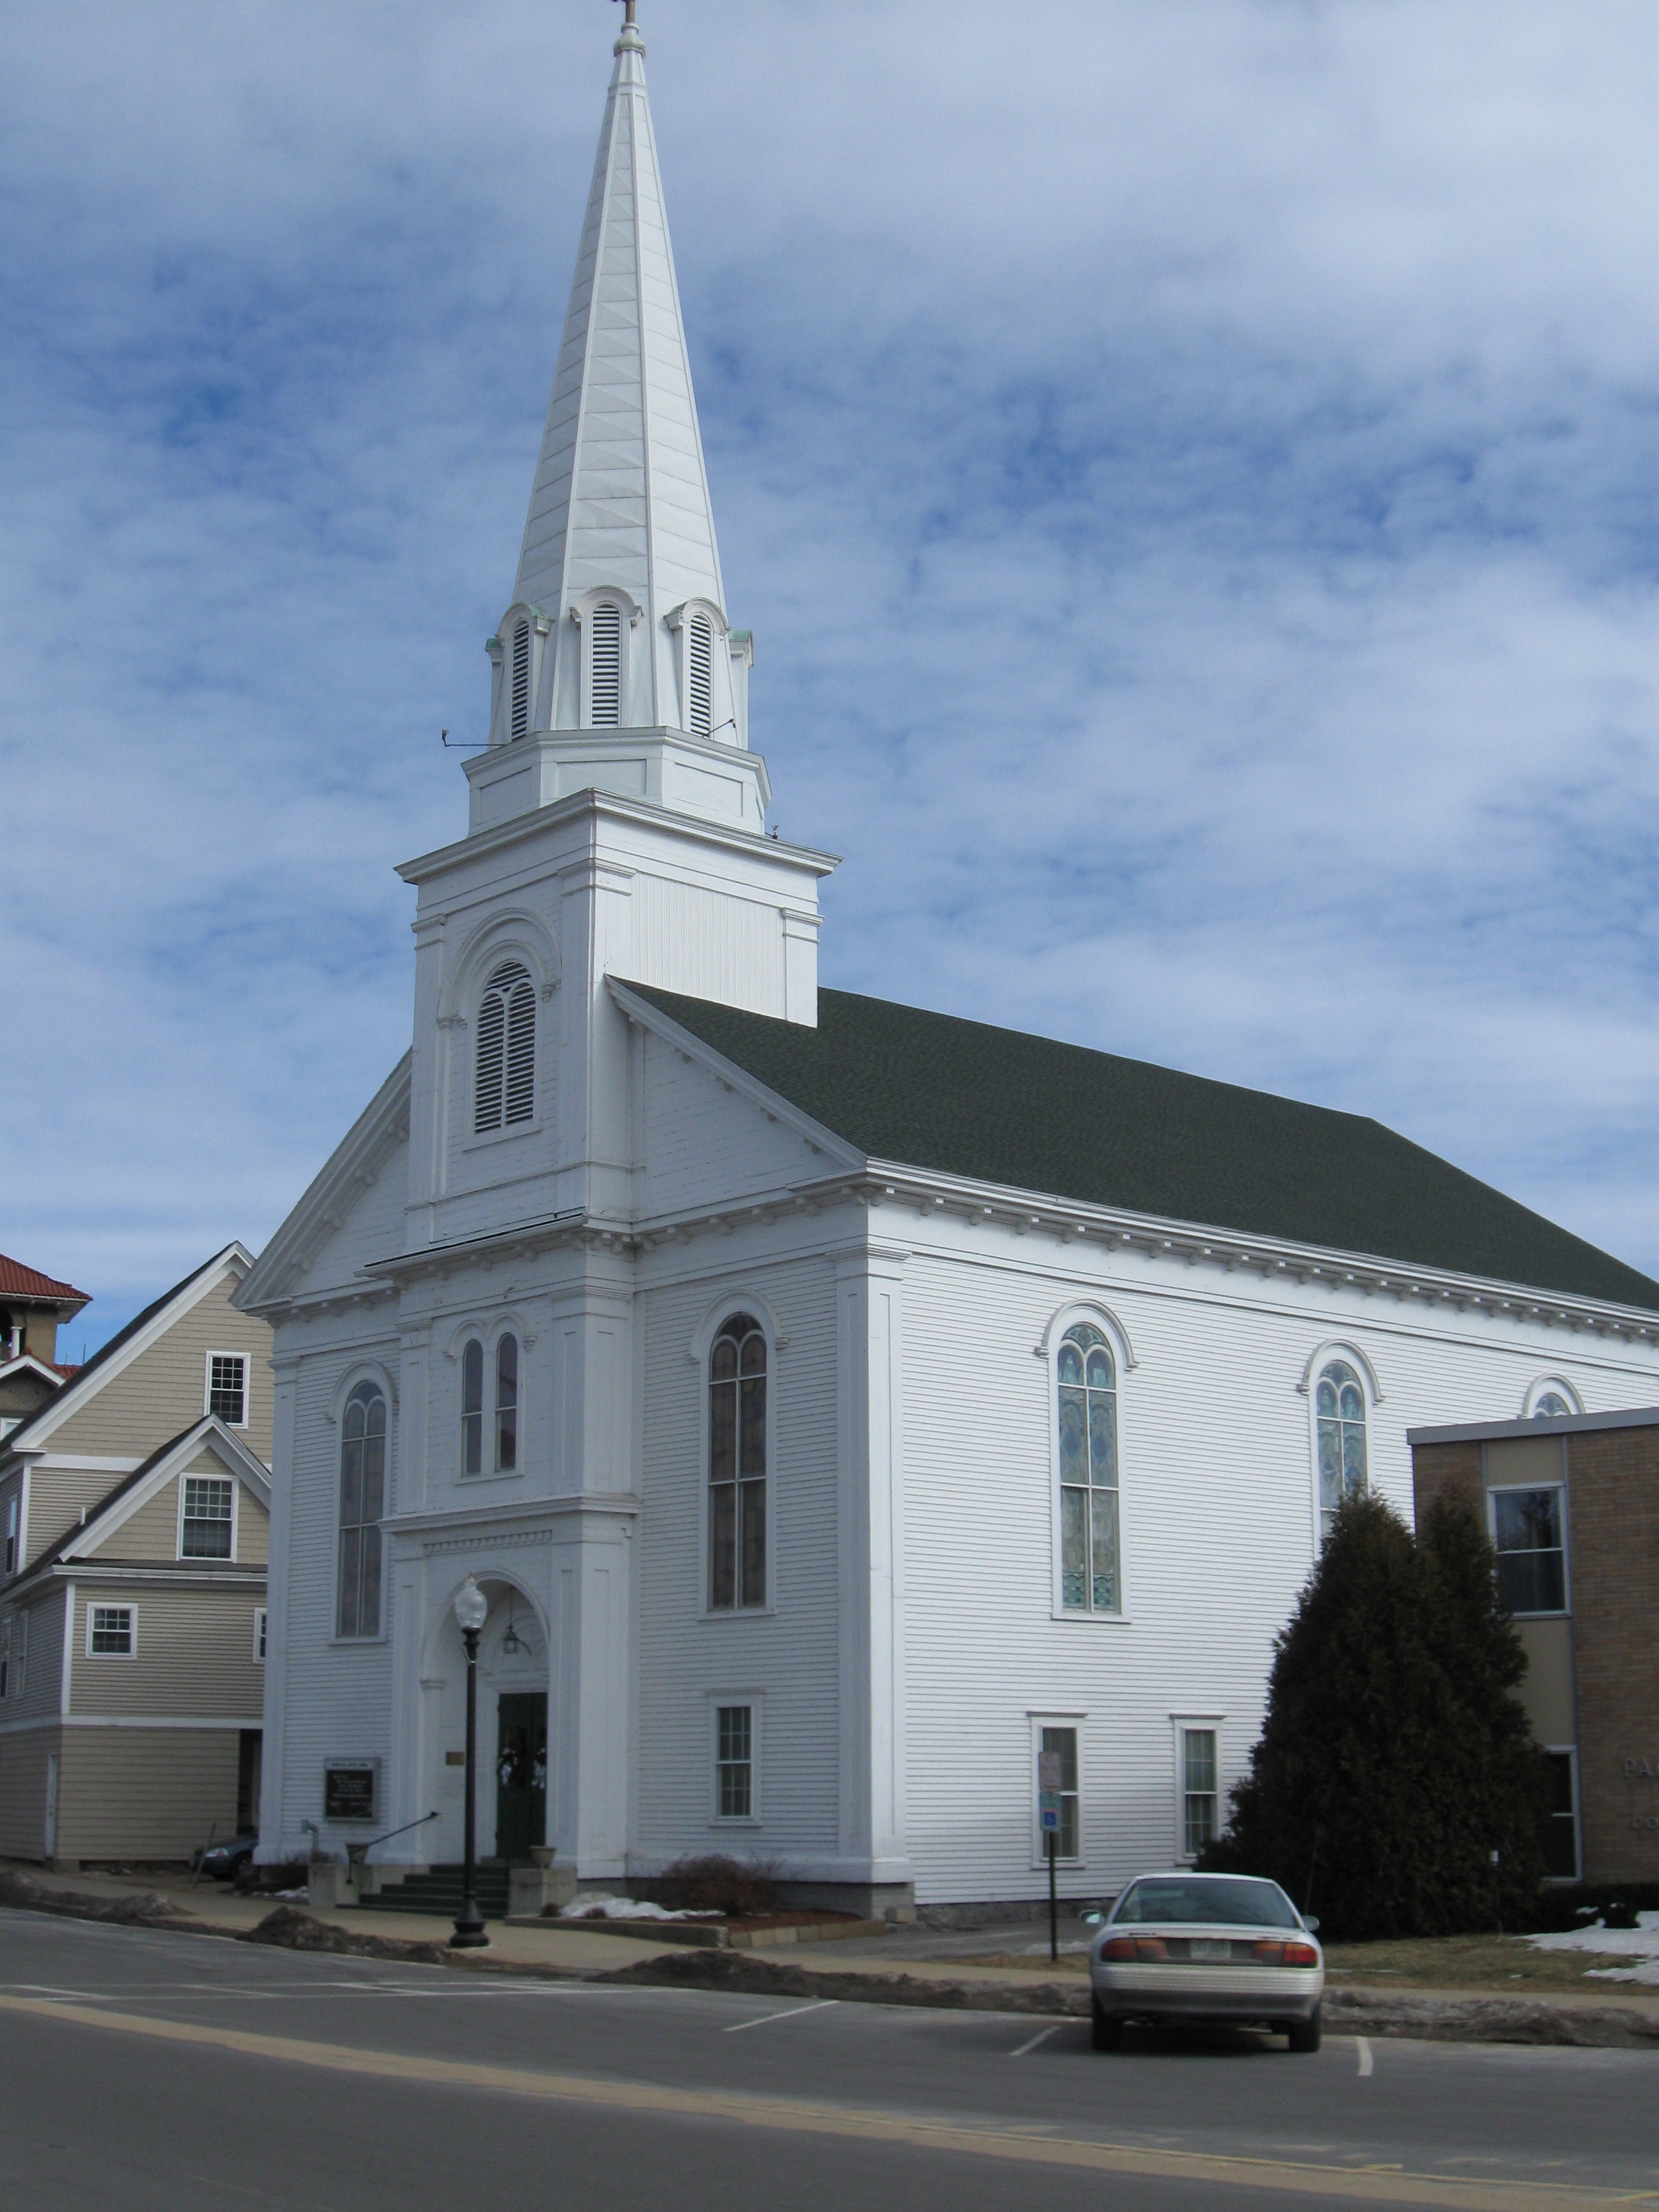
(1089, 1580)
(363, 1502)
(507, 1405)
(1340, 1404)
(504, 1083)
(473, 1365)
(737, 1465)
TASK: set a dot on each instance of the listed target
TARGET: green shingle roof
(930, 1091)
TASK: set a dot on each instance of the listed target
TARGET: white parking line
(1364, 2050)
(1042, 2036)
(794, 2013)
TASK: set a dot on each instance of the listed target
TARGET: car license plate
(1202, 1949)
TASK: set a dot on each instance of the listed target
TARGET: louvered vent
(699, 675)
(604, 680)
(504, 1087)
(521, 680)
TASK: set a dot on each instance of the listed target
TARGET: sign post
(1051, 1775)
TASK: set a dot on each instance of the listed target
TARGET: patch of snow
(599, 1904)
(1648, 1971)
(1641, 1941)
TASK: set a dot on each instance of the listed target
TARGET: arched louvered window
(504, 1087)
(737, 1465)
(472, 1407)
(604, 630)
(1341, 1405)
(699, 675)
(363, 1502)
(1087, 1383)
(507, 1405)
(521, 680)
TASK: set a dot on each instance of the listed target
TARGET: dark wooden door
(521, 1774)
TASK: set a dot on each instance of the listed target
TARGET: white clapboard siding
(704, 1145)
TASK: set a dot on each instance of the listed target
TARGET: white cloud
(1185, 468)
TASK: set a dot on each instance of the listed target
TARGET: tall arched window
(1087, 1383)
(472, 1407)
(604, 636)
(699, 675)
(737, 1465)
(521, 724)
(504, 1081)
(507, 1405)
(1340, 1403)
(363, 1502)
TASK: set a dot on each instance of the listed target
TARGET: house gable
(138, 1521)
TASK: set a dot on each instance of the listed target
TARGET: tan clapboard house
(136, 1505)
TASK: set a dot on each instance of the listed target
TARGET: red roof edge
(17, 1281)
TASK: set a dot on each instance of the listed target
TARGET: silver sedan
(1211, 1947)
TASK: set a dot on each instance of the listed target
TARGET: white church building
(838, 1403)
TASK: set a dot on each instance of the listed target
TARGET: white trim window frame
(1048, 1732)
(6, 1619)
(1086, 1432)
(101, 1620)
(261, 1633)
(1338, 1375)
(1506, 1517)
(482, 1431)
(504, 1066)
(1198, 1778)
(735, 1725)
(20, 1654)
(361, 1483)
(13, 1514)
(217, 1386)
(1550, 1398)
(759, 1314)
(230, 1521)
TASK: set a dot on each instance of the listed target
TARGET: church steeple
(619, 617)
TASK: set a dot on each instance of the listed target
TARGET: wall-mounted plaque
(349, 1789)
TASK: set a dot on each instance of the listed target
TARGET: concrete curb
(1488, 2019)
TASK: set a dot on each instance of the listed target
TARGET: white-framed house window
(1198, 1782)
(227, 1388)
(362, 1506)
(1339, 1431)
(1059, 1735)
(504, 1063)
(737, 1441)
(1085, 1413)
(5, 1655)
(735, 1717)
(490, 1433)
(12, 1509)
(111, 1631)
(1551, 1399)
(260, 1618)
(1529, 1533)
(207, 1518)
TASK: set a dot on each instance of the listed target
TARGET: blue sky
(1189, 470)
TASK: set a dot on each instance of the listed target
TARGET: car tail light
(1135, 1947)
(1301, 1954)
(1267, 1954)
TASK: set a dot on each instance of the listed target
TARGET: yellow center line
(1337, 2183)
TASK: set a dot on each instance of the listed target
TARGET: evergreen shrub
(1395, 1758)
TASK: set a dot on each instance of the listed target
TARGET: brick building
(1573, 1504)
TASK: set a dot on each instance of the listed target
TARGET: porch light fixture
(471, 1610)
(512, 1643)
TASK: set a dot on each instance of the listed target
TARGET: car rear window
(1222, 1900)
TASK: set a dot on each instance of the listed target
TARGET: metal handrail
(358, 1853)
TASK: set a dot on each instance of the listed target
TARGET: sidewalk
(911, 1966)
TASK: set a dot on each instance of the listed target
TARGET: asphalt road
(140, 2070)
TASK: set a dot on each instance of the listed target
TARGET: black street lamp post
(471, 1607)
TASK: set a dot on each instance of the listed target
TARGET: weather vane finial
(631, 40)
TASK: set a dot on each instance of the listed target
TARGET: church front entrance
(520, 1774)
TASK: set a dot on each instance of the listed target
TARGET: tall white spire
(621, 495)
